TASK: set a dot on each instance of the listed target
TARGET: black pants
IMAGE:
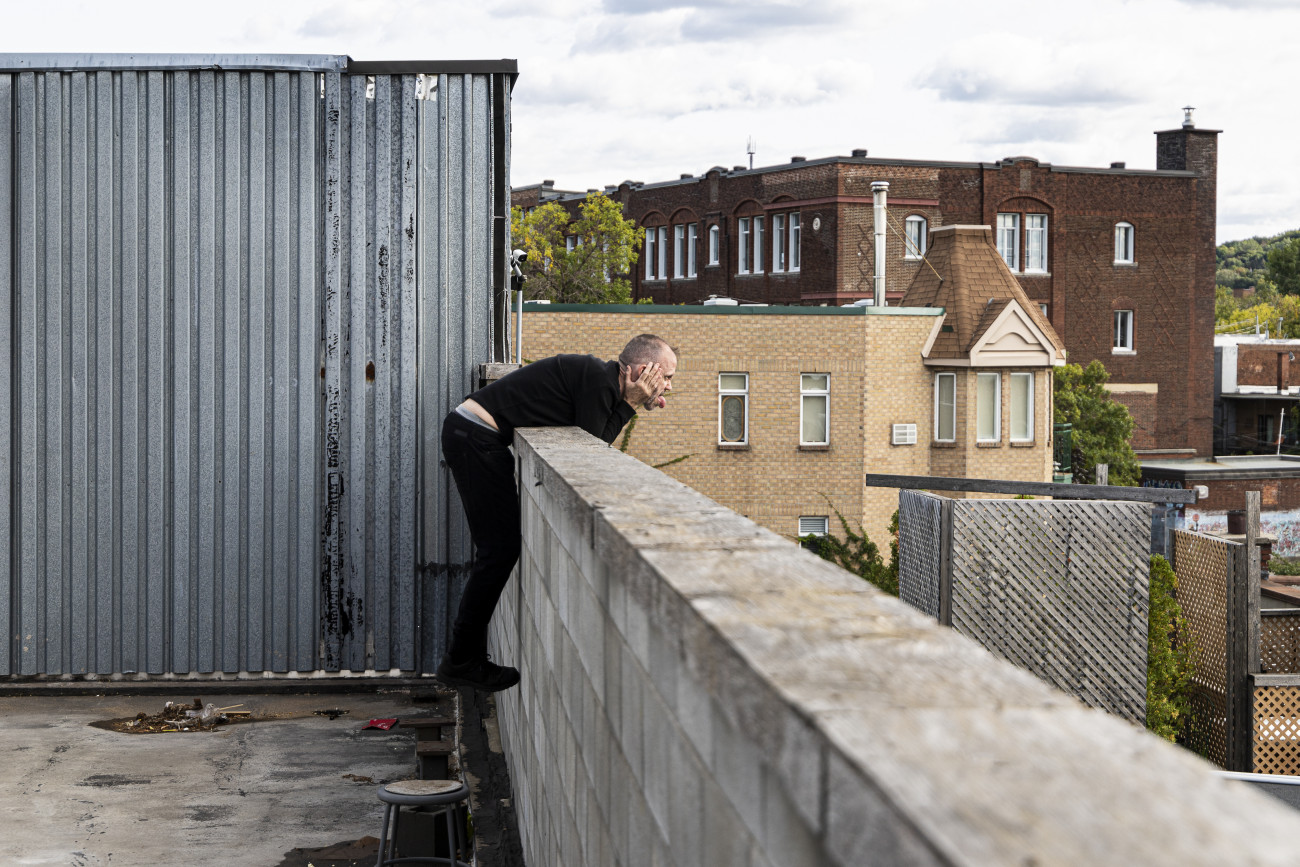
(484, 469)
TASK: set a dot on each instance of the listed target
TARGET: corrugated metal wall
(215, 349)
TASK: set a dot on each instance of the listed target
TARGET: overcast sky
(611, 90)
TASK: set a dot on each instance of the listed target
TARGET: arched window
(715, 244)
(1124, 244)
(916, 235)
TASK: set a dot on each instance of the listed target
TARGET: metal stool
(442, 794)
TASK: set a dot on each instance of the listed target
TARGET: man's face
(667, 362)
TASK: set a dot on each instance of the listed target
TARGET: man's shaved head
(644, 349)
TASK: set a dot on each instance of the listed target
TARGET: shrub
(1170, 656)
(858, 554)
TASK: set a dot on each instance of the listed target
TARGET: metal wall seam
(334, 134)
(24, 286)
(403, 590)
(8, 639)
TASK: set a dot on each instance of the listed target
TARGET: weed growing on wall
(1170, 656)
(858, 554)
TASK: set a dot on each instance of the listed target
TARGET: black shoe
(481, 674)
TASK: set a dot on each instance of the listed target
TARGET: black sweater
(560, 391)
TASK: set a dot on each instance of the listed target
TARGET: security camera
(517, 258)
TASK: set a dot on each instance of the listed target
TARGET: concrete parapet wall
(698, 690)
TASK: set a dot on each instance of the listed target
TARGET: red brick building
(1121, 261)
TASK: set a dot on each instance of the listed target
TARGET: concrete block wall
(698, 691)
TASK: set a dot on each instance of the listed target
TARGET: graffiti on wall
(1283, 526)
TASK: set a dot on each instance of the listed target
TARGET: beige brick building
(777, 412)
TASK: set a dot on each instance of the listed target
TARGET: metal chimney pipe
(879, 193)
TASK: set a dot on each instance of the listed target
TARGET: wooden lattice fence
(1060, 588)
(1204, 565)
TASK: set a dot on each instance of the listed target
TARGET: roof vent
(737, 168)
(547, 184)
(687, 175)
(1187, 117)
(797, 159)
(859, 152)
(592, 190)
(1118, 165)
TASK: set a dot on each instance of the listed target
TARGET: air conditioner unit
(905, 434)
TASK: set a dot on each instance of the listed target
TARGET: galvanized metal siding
(455, 318)
(370, 373)
(218, 452)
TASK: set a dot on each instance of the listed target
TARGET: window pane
(679, 251)
(986, 406)
(758, 245)
(743, 246)
(714, 235)
(650, 253)
(1036, 242)
(947, 422)
(732, 381)
(778, 243)
(915, 247)
(692, 235)
(1009, 240)
(794, 242)
(663, 252)
(1022, 406)
(814, 419)
(814, 381)
(733, 418)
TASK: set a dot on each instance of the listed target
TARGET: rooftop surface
(249, 793)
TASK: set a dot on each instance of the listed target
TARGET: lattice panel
(1279, 642)
(1059, 588)
(920, 549)
(1277, 729)
(1208, 734)
(1202, 564)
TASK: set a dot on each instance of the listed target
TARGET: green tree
(577, 260)
(1284, 267)
(1102, 426)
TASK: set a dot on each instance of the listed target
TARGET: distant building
(1256, 393)
(1120, 261)
(777, 412)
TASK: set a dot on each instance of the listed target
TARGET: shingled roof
(976, 291)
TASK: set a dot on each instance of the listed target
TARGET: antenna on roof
(750, 148)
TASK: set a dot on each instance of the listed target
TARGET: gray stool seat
(442, 795)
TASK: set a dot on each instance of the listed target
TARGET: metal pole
(879, 195)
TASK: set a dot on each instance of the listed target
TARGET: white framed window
(1009, 240)
(1036, 243)
(663, 252)
(715, 244)
(679, 251)
(778, 242)
(742, 246)
(1043, 308)
(814, 409)
(988, 407)
(794, 242)
(758, 245)
(945, 407)
(571, 243)
(651, 255)
(1124, 244)
(1022, 407)
(1123, 332)
(692, 243)
(915, 228)
(814, 525)
(733, 409)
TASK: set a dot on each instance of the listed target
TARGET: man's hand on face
(643, 385)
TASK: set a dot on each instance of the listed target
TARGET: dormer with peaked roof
(988, 320)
